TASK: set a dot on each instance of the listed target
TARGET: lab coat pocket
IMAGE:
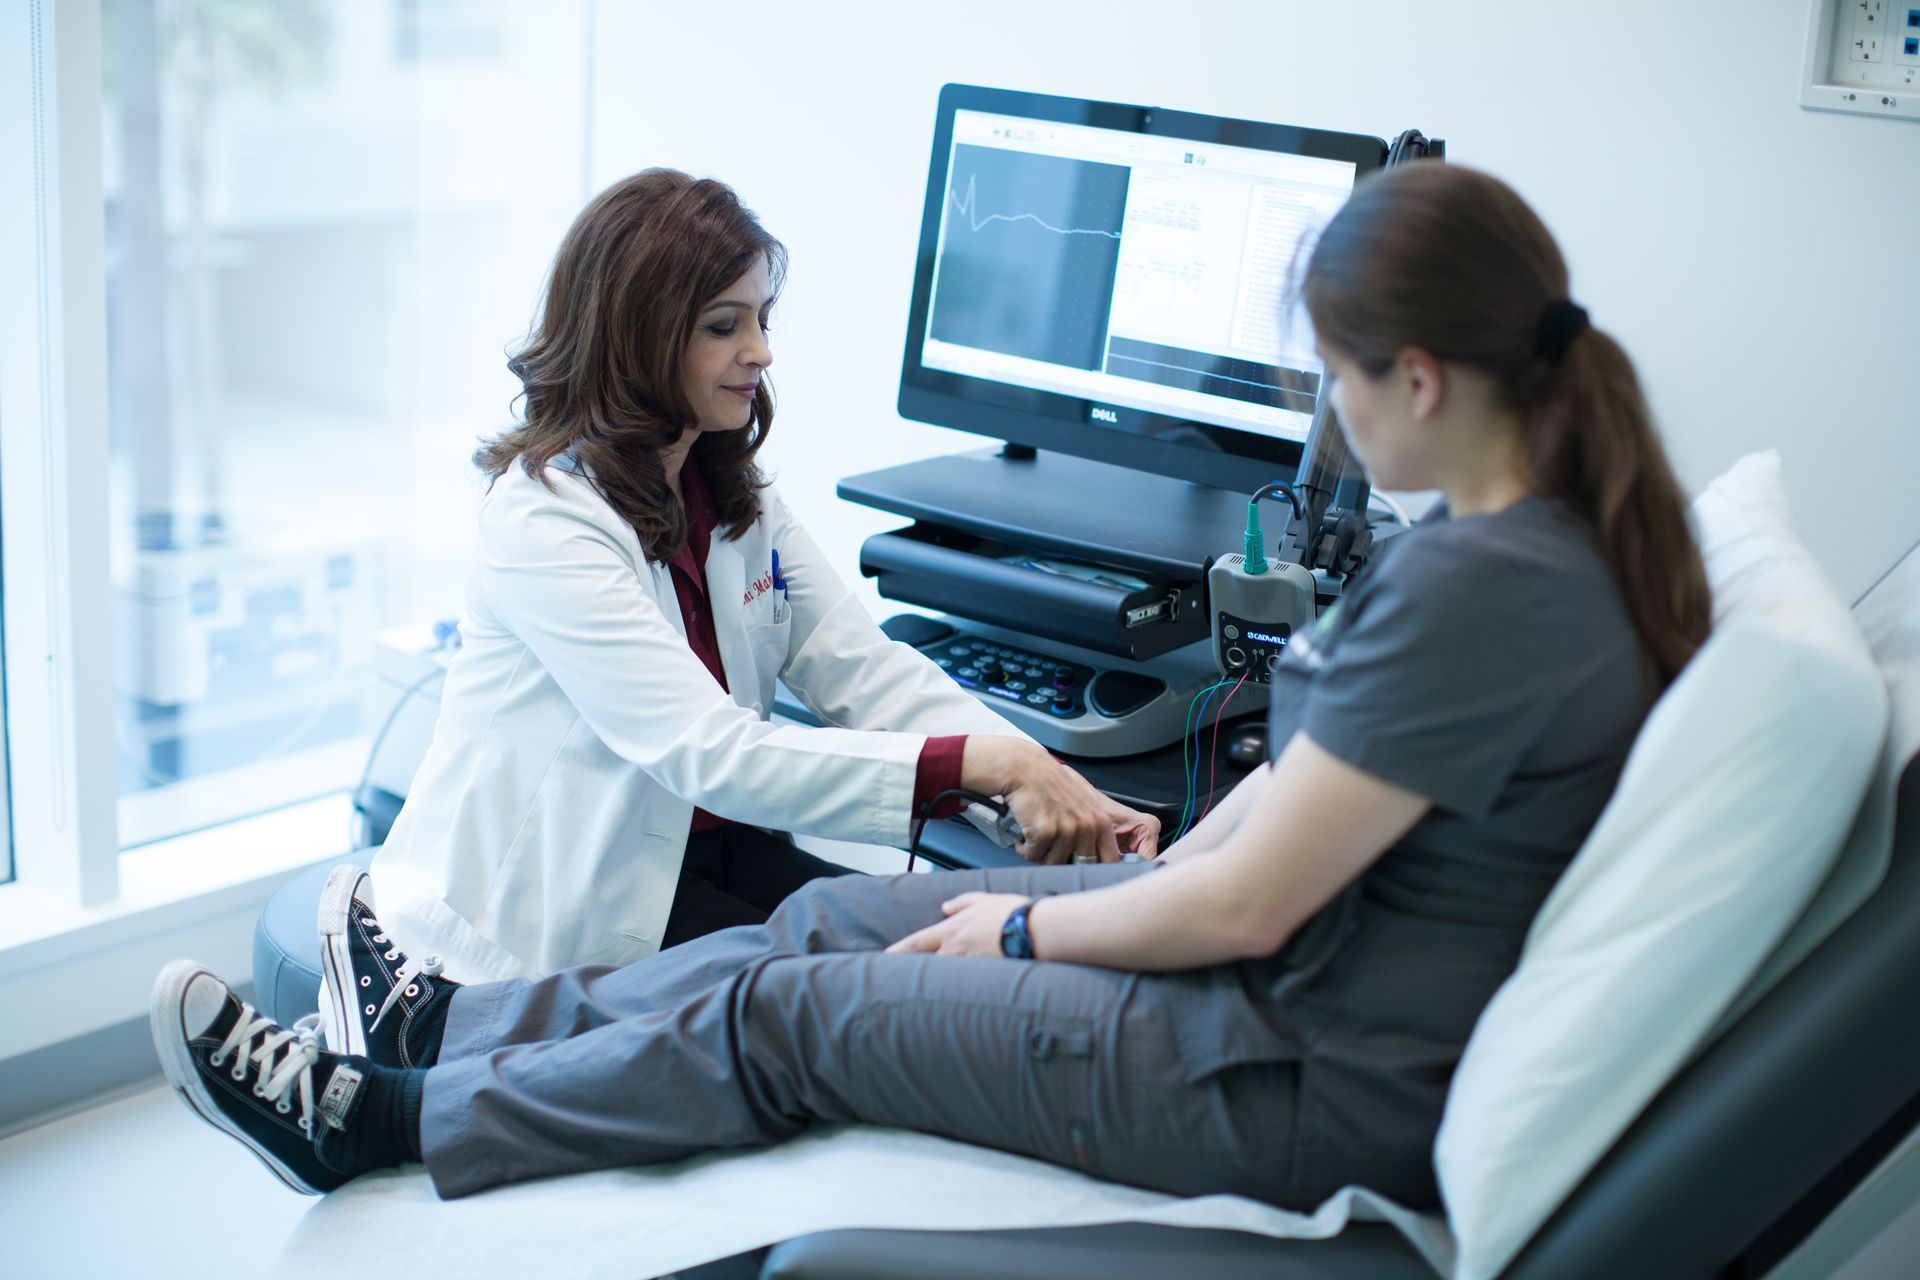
(768, 642)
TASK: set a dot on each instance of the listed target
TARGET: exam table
(1742, 1159)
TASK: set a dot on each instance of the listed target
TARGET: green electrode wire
(1188, 747)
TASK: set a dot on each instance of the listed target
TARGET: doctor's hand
(972, 926)
(1060, 813)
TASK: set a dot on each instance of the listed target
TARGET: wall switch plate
(1863, 56)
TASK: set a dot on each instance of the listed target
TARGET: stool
(286, 948)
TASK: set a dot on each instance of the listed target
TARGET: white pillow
(1733, 803)
(1759, 568)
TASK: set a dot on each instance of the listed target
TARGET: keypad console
(1039, 682)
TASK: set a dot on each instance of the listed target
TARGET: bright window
(325, 224)
(6, 777)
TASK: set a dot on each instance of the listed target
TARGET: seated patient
(1276, 1006)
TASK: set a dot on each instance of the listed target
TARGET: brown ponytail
(1453, 262)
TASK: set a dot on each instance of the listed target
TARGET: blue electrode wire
(1186, 763)
(1189, 749)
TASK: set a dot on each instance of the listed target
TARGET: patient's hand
(972, 926)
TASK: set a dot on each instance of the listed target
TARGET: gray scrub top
(1489, 665)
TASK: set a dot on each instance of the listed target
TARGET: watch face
(1015, 942)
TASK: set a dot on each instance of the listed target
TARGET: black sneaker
(374, 1001)
(269, 1086)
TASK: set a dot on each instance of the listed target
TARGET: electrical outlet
(1858, 57)
(1869, 25)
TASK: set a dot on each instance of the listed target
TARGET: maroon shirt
(939, 765)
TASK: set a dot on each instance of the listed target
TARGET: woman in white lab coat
(637, 587)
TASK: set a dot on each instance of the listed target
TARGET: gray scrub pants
(748, 1036)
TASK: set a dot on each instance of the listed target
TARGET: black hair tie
(1564, 321)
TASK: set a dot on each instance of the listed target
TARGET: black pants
(736, 875)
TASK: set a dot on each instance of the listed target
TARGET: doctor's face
(727, 352)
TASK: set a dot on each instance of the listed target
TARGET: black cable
(927, 807)
(1409, 140)
(1278, 487)
(373, 752)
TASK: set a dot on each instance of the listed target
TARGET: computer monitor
(1107, 281)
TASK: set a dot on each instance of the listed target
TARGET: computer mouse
(1247, 745)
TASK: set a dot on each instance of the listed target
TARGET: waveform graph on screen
(1028, 250)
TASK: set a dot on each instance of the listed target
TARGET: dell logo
(1097, 414)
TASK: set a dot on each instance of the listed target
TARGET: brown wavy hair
(600, 374)
(1454, 262)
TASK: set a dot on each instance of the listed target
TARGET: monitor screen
(1108, 281)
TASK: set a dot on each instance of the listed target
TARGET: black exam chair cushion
(1751, 1127)
(1117, 1251)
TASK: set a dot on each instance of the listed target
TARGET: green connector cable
(1255, 555)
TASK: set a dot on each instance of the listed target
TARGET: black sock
(382, 1124)
(434, 1023)
(413, 1092)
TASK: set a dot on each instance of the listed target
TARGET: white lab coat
(577, 732)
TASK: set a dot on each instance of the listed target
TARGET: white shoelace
(403, 978)
(278, 1080)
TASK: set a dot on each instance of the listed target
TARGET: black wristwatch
(1016, 942)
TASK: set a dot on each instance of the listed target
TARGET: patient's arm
(1211, 830)
(1313, 826)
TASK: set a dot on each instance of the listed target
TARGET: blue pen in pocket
(780, 590)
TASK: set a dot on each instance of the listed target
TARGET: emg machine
(1101, 288)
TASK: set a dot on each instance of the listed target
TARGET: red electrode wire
(1213, 745)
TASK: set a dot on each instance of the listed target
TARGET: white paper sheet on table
(633, 1223)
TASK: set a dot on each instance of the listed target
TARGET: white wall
(1761, 262)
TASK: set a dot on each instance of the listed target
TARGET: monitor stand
(1059, 506)
(1065, 506)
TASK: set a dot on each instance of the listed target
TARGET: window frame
(84, 924)
(57, 606)
(80, 940)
